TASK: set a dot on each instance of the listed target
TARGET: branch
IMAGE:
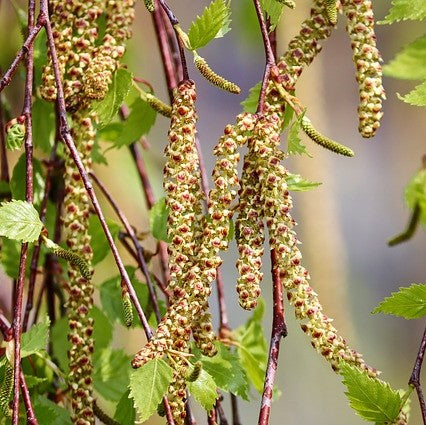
(279, 330)
(235, 413)
(415, 376)
(4, 167)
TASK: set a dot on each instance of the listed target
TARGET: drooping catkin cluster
(360, 27)
(80, 289)
(277, 203)
(86, 61)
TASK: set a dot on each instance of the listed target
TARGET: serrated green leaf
(415, 193)
(35, 339)
(158, 216)
(125, 413)
(139, 122)
(297, 183)
(112, 371)
(119, 88)
(43, 114)
(409, 303)
(49, 413)
(295, 145)
(213, 23)
(97, 155)
(373, 399)
(148, 384)
(226, 370)
(252, 349)
(249, 104)
(416, 97)
(17, 182)
(410, 63)
(19, 220)
(204, 390)
(33, 381)
(99, 242)
(10, 253)
(102, 334)
(288, 117)
(273, 10)
(402, 10)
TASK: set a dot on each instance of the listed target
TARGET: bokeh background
(344, 223)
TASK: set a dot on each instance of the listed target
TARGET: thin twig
(221, 413)
(279, 330)
(136, 243)
(270, 59)
(235, 412)
(4, 166)
(408, 233)
(415, 376)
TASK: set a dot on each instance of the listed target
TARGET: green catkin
(289, 3)
(331, 9)
(158, 105)
(194, 374)
(214, 78)
(322, 140)
(127, 309)
(74, 259)
(149, 4)
(6, 390)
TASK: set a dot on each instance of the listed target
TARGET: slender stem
(211, 418)
(270, 59)
(136, 243)
(4, 166)
(221, 413)
(408, 233)
(66, 137)
(415, 376)
(279, 330)
(235, 412)
(173, 48)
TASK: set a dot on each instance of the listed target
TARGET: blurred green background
(344, 224)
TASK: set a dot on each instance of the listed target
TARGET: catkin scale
(214, 78)
(322, 140)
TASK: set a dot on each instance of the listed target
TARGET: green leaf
(148, 384)
(204, 390)
(226, 370)
(17, 182)
(102, 334)
(125, 413)
(297, 183)
(99, 242)
(40, 57)
(158, 216)
(35, 339)
(409, 303)
(416, 97)
(273, 10)
(43, 124)
(19, 220)
(33, 381)
(415, 193)
(112, 371)
(252, 349)
(373, 399)
(295, 145)
(10, 253)
(406, 9)
(108, 107)
(213, 23)
(49, 413)
(249, 104)
(410, 63)
(288, 117)
(139, 122)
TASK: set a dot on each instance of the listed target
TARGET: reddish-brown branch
(279, 330)
(415, 376)
(4, 167)
(139, 249)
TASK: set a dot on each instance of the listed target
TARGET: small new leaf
(273, 10)
(204, 390)
(416, 97)
(372, 399)
(19, 220)
(35, 339)
(108, 107)
(409, 303)
(213, 23)
(158, 220)
(410, 63)
(402, 10)
(295, 145)
(153, 377)
(249, 104)
(297, 183)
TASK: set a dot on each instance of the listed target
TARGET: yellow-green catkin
(195, 372)
(277, 204)
(213, 78)
(158, 105)
(367, 59)
(127, 308)
(149, 4)
(6, 390)
(322, 140)
(331, 10)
